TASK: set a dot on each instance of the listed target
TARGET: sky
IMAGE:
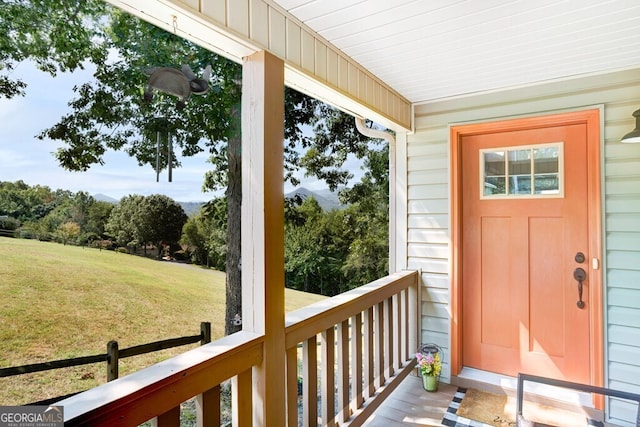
(25, 157)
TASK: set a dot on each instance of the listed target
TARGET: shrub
(8, 223)
(102, 244)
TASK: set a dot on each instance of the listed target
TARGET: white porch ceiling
(434, 49)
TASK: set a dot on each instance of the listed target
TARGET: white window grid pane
(523, 184)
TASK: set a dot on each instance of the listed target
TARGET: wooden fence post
(205, 330)
(112, 360)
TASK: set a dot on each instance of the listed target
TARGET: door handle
(580, 275)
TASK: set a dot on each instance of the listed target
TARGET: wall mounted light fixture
(634, 135)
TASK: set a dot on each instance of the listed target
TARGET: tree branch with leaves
(110, 113)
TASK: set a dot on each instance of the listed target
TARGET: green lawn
(58, 302)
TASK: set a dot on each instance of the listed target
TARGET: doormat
(470, 407)
(451, 417)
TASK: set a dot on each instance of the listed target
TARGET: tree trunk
(234, 213)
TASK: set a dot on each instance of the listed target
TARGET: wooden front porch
(346, 355)
(410, 405)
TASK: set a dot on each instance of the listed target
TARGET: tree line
(78, 218)
(326, 252)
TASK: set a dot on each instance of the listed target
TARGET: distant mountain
(191, 208)
(104, 198)
(326, 193)
(327, 199)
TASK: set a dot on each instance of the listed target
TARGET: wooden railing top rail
(163, 386)
(315, 318)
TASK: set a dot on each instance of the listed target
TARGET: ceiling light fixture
(634, 135)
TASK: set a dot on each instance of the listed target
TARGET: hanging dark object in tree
(180, 83)
(158, 151)
(169, 156)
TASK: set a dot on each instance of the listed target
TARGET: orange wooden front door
(520, 298)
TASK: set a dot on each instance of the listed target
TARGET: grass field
(58, 302)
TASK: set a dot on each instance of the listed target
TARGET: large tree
(109, 113)
(121, 225)
(161, 221)
(97, 216)
(316, 245)
(204, 235)
(57, 35)
(368, 220)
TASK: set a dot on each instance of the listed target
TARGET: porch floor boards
(411, 405)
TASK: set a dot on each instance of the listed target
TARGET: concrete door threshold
(540, 393)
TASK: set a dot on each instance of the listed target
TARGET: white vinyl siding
(428, 233)
(622, 243)
(428, 173)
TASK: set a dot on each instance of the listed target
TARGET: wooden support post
(414, 312)
(343, 372)
(368, 361)
(378, 331)
(205, 331)
(356, 363)
(208, 408)
(263, 229)
(242, 400)
(310, 382)
(388, 331)
(404, 326)
(328, 384)
(171, 418)
(396, 327)
(112, 360)
(292, 387)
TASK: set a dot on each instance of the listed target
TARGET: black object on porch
(522, 422)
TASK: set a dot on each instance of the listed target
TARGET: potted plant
(430, 367)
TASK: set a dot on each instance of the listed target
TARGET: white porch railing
(356, 346)
(367, 338)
